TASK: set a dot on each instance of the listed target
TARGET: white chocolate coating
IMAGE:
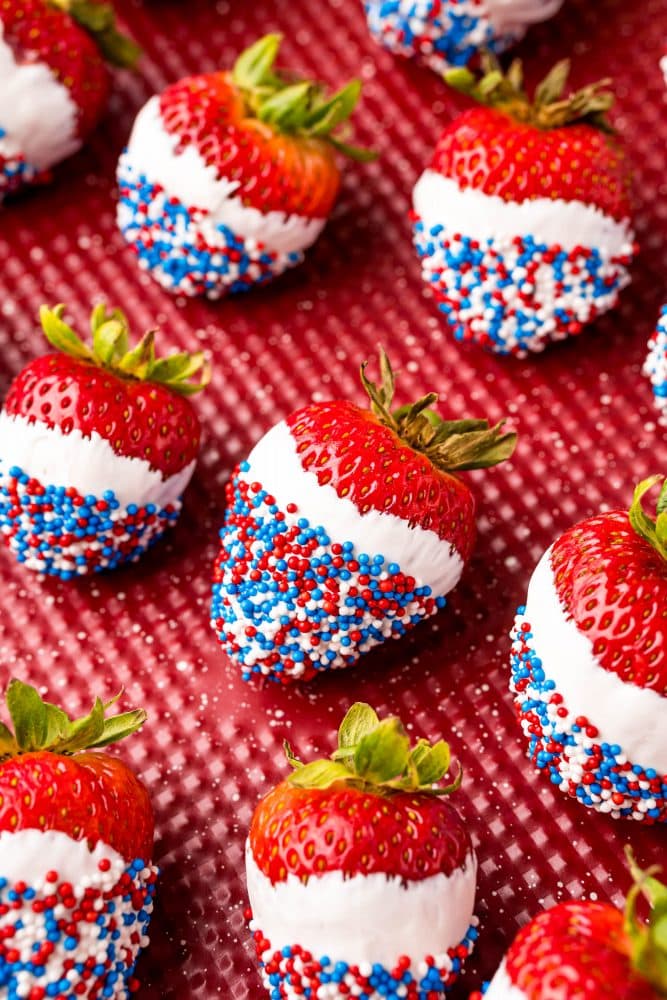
(440, 201)
(419, 552)
(364, 918)
(634, 718)
(501, 987)
(89, 464)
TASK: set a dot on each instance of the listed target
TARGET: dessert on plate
(97, 445)
(583, 950)
(361, 876)
(345, 526)
(589, 661)
(655, 366)
(446, 33)
(522, 218)
(229, 177)
(54, 81)
(76, 841)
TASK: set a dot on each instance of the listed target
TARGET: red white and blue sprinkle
(289, 601)
(15, 171)
(443, 33)
(183, 248)
(655, 367)
(568, 747)
(516, 295)
(60, 941)
(58, 531)
(292, 972)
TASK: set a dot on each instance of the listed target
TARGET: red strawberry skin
(143, 420)
(575, 951)
(274, 172)
(486, 150)
(307, 832)
(89, 796)
(366, 462)
(39, 32)
(613, 583)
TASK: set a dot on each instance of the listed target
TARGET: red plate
(588, 432)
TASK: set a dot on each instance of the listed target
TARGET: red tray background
(588, 432)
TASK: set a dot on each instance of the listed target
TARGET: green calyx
(294, 106)
(654, 532)
(41, 726)
(648, 941)
(375, 755)
(111, 350)
(450, 445)
(99, 20)
(549, 108)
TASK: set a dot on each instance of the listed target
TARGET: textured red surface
(587, 433)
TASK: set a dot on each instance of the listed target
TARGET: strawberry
(361, 877)
(345, 526)
(96, 447)
(522, 218)
(446, 33)
(76, 841)
(54, 81)
(229, 177)
(589, 661)
(581, 950)
(655, 366)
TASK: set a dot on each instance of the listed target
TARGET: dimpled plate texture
(588, 432)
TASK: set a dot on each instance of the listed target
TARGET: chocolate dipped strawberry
(361, 876)
(97, 445)
(589, 662)
(446, 33)
(76, 842)
(346, 526)
(229, 177)
(582, 950)
(54, 81)
(522, 218)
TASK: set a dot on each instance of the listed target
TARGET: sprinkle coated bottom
(183, 248)
(293, 972)
(443, 33)
(515, 295)
(567, 747)
(14, 171)
(59, 532)
(655, 367)
(62, 941)
(289, 602)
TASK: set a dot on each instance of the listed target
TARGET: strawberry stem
(648, 940)
(293, 106)
(375, 755)
(451, 445)
(654, 532)
(99, 20)
(39, 725)
(111, 349)
(549, 108)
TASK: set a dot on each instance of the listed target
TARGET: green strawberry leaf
(382, 755)
(141, 359)
(661, 506)
(319, 774)
(433, 763)
(84, 732)
(291, 759)
(110, 341)
(29, 716)
(8, 745)
(119, 727)
(254, 66)
(287, 108)
(359, 721)
(60, 335)
(356, 153)
(100, 21)
(326, 116)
